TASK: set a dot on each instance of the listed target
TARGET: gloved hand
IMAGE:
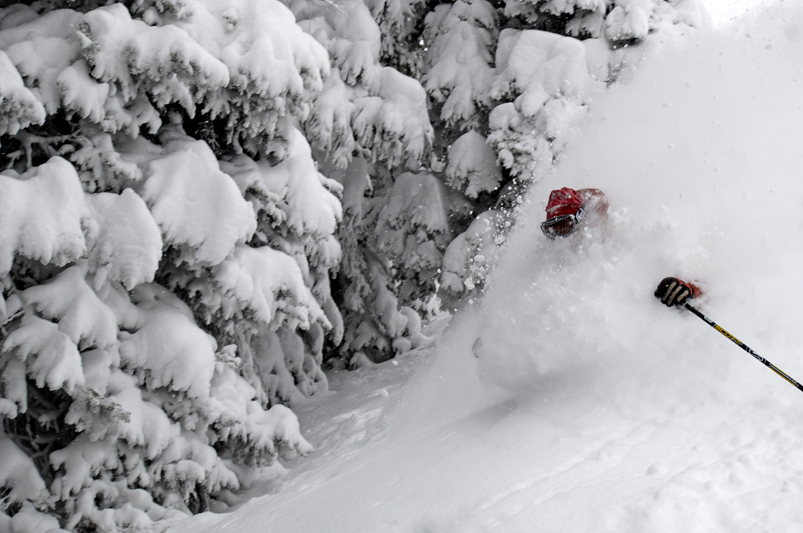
(673, 291)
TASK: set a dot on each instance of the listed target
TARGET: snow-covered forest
(205, 204)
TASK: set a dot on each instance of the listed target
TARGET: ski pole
(743, 346)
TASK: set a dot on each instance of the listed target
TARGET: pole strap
(743, 346)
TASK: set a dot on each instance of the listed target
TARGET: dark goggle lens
(563, 225)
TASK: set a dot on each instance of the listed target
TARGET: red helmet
(563, 201)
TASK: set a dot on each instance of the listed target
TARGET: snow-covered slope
(592, 407)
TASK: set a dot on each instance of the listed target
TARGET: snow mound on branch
(15, 15)
(43, 215)
(168, 346)
(548, 77)
(266, 52)
(367, 105)
(299, 201)
(82, 94)
(19, 108)
(29, 519)
(250, 423)
(356, 42)
(79, 460)
(412, 227)
(128, 246)
(275, 69)
(81, 315)
(473, 254)
(19, 474)
(147, 425)
(309, 208)
(195, 204)
(395, 123)
(629, 20)
(460, 73)
(15, 394)
(41, 49)
(472, 166)
(270, 283)
(164, 59)
(50, 356)
(543, 61)
(329, 124)
(279, 424)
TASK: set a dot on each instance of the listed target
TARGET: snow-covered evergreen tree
(166, 245)
(369, 125)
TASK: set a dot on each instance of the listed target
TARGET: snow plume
(544, 83)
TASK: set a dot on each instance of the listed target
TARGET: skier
(568, 209)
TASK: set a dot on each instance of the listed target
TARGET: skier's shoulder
(592, 194)
(594, 199)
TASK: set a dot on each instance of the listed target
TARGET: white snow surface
(591, 406)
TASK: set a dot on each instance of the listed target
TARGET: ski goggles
(563, 225)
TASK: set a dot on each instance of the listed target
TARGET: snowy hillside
(592, 407)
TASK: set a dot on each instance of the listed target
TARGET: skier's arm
(596, 202)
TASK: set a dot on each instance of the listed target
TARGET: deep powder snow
(591, 406)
